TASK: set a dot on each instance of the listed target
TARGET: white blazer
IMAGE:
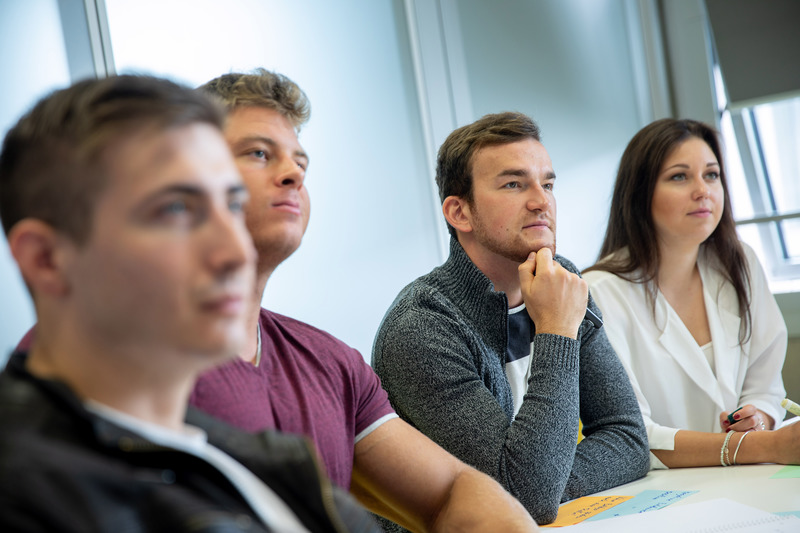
(676, 386)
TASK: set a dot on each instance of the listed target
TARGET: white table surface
(748, 484)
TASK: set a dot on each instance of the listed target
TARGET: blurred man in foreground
(124, 211)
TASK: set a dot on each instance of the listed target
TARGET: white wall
(568, 65)
(371, 219)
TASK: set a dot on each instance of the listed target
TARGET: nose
(230, 246)
(289, 173)
(701, 189)
(539, 198)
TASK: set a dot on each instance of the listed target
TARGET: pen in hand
(732, 420)
(593, 318)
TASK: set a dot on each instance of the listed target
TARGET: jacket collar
(473, 294)
(25, 386)
(724, 325)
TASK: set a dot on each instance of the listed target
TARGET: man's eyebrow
(187, 189)
(517, 172)
(522, 173)
(172, 190)
(250, 139)
(178, 188)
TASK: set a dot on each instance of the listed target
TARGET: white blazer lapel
(723, 321)
(676, 339)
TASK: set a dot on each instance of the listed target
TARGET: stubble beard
(515, 250)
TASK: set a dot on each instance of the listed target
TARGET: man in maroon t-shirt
(296, 378)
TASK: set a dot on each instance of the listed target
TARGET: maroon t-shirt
(308, 382)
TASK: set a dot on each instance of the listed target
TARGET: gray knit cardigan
(440, 352)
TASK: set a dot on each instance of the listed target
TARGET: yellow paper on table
(579, 510)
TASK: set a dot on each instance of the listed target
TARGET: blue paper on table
(647, 500)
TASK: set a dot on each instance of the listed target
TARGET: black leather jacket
(64, 469)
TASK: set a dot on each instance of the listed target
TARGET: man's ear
(40, 253)
(457, 213)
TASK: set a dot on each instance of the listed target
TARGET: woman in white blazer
(687, 307)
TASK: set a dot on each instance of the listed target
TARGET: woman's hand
(746, 418)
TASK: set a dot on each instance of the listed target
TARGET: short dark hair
(261, 88)
(631, 225)
(454, 163)
(52, 161)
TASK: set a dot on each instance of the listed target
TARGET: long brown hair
(630, 222)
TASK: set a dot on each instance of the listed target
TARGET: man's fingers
(527, 268)
(544, 261)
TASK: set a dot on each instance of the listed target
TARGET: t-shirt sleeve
(373, 407)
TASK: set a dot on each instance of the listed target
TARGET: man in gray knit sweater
(490, 354)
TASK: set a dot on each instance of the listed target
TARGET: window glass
(779, 129)
(737, 182)
(769, 185)
(791, 230)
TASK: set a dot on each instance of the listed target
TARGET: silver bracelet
(739, 445)
(723, 453)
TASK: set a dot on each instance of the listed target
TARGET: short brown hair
(261, 88)
(454, 164)
(51, 164)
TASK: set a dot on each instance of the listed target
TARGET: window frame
(769, 217)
